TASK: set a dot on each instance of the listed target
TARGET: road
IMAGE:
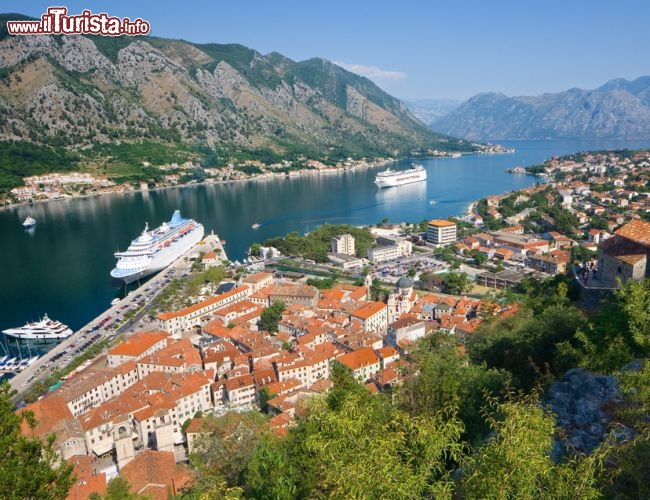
(111, 322)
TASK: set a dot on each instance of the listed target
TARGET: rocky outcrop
(582, 402)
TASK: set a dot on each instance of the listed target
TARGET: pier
(104, 325)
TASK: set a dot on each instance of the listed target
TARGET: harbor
(112, 322)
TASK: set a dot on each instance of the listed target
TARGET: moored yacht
(45, 329)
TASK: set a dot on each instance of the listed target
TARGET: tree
(225, 449)
(271, 316)
(29, 468)
(516, 461)
(619, 333)
(431, 281)
(455, 283)
(117, 488)
(255, 249)
(353, 444)
(480, 258)
(377, 291)
(440, 377)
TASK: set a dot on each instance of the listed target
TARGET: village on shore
(269, 342)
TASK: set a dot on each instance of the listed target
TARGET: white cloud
(373, 72)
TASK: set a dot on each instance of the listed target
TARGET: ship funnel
(176, 217)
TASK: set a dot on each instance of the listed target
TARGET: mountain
(617, 109)
(94, 95)
(430, 110)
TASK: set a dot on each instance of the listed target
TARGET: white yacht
(45, 329)
(29, 222)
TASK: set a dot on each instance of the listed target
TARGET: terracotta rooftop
(360, 358)
(636, 230)
(441, 223)
(369, 309)
(86, 482)
(138, 344)
(257, 277)
(155, 473)
(195, 307)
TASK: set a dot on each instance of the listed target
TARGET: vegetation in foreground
(462, 425)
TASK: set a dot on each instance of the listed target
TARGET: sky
(434, 49)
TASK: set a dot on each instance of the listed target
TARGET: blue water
(62, 267)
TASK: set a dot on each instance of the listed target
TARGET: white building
(441, 232)
(394, 250)
(343, 244)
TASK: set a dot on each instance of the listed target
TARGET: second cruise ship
(391, 178)
(155, 249)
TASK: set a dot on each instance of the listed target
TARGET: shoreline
(257, 178)
(261, 177)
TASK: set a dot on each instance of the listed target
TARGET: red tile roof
(369, 309)
(138, 344)
(636, 230)
(359, 358)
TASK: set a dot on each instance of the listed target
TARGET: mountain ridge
(77, 92)
(618, 109)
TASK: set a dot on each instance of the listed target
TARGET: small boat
(115, 301)
(256, 225)
(29, 222)
(432, 202)
(9, 364)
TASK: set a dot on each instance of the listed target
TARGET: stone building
(625, 255)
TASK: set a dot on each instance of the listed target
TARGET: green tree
(441, 377)
(226, 448)
(618, 333)
(255, 249)
(525, 344)
(29, 468)
(516, 461)
(480, 258)
(271, 316)
(117, 488)
(377, 291)
(455, 283)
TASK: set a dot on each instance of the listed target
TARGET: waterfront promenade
(112, 322)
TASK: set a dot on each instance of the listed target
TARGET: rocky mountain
(88, 93)
(618, 109)
(430, 110)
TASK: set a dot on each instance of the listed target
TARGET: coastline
(256, 178)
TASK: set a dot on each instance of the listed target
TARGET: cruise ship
(391, 178)
(155, 249)
(45, 329)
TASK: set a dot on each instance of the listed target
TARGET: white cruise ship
(45, 329)
(156, 249)
(391, 178)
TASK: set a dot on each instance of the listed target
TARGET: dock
(103, 326)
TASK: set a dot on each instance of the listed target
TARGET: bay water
(62, 267)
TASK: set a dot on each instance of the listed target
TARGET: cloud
(373, 72)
